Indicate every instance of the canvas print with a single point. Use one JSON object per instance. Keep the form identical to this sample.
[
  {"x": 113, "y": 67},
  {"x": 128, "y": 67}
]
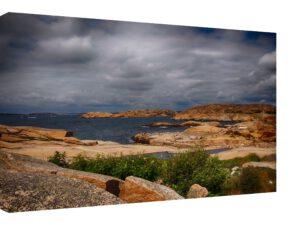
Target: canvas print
[{"x": 100, "y": 112}]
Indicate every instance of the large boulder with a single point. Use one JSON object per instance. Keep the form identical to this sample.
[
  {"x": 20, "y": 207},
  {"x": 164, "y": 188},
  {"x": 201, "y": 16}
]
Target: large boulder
[
  {"x": 137, "y": 189},
  {"x": 21, "y": 191},
  {"x": 29, "y": 184},
  {"x": 197, "y": 191},
  {"x": 28, "y": 164}
]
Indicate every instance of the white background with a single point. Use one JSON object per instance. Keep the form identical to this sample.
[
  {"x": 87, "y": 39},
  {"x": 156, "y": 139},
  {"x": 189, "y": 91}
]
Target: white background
[{"x": 280, "y": 207}]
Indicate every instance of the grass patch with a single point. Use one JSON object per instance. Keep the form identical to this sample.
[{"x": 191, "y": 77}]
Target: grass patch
[{"x": 239, "y": 161}]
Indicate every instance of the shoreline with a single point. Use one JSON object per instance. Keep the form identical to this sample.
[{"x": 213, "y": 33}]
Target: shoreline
[{"x": 42, "y": 148}]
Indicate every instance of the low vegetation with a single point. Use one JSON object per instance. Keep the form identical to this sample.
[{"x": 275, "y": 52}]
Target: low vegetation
[
  {"x": 251, "y": 180},
  {"x": 191, "y": 167},
  {"x": 181, "y": 171},
  {"x": 122, "y": 166},
  {"x": 239, "y": 161}
]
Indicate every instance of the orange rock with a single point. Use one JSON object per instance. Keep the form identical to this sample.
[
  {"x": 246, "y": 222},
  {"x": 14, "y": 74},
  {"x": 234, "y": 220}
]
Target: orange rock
[
  {"x": 203, "y": 130},
  {"x": 21, "y": 133},
  {"x": 197, "y": 191},
  {"x": 223, "y": 112},
  {"x": 131, "y": 113},
  {"x": 137, "y": 189},
  {"x": 97, "y": 115}
]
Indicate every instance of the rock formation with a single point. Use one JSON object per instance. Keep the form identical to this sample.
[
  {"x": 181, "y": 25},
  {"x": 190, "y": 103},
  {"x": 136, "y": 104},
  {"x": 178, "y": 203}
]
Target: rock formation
[
  {"x": 197, "y": 191},
  {"x": 160, "y": 124},
  {"x": 31, "y": 184},
  {"x": 258, "y": 132},
  {"x": 136, "y": 189},
  {"x": 131, "y": 113},
  {"x": 97, "y": 115},
  {"x": 184, "y": 124},
  {"x": 226, "y": 112},
  {"x": 175, "y": 139},
  {"x": 13, "y": 134}
]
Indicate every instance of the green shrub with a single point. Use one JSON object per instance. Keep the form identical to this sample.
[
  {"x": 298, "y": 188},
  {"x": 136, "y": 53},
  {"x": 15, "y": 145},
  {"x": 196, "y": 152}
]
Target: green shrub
[
  {"x": 59, "y": 158},
  {"x": 252, "y": 180},
  {"x": 252, "y": 157},
  {"x": 140, "y": 166},
  {"x": 196, "y": 166},
  {"x": 212, "y": 175},
  {"x": 79, "y": 163}
]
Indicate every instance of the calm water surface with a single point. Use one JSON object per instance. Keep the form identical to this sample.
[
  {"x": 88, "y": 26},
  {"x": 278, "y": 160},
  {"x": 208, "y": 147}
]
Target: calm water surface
[{"x": 107, "y": 129}]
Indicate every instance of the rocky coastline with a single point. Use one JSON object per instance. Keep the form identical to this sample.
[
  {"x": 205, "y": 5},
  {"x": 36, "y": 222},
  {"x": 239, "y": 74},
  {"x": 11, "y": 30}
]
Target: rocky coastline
[
  {"x": 211, "y": 112},
  {"x": 24, "y": 151}
]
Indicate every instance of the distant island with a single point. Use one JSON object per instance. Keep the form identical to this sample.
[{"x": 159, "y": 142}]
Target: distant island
[{"x": 217, "y": 112}]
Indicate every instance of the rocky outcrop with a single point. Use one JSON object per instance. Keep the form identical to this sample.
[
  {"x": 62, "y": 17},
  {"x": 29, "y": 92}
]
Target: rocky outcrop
[
  {"x": 176, "y": 139},
  {"x": 198, "y": 123},
  {"x": 97, "y": 115},
  {"x": 197, "y": 191},
  {"x": 203, "y": 130},
  {"x": 23, "y": 163},
  {"x": 21, "y": 191},
  {"x": 13, "y": 134},
  {"x": 160, "y": 124},
  {"x": 184, "y": 124},
  {"x": 187, "y": 140},
  {"x": 226, "y": 112},
  {"x": 136, "y": 189},
  {"x": 30, "y": 184},
  {"x": 131, "y": 113},
  {"x": 263, "y": 130},
  {"x": 259, "y": 132}
]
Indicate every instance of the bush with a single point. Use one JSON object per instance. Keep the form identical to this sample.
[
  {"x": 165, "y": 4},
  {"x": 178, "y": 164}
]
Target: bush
[
  {"x": 269, "y": 158},
  {"x": 148, "y": 168},
  {"x": 59, "y": 158},
  {"x": 196, "y": 166},
  {"x": 212, "y": 175},
  {"x": 252, "y": 180}
]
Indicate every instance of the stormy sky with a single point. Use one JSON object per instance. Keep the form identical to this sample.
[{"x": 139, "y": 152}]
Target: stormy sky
[{"x": 61, "y": 64}]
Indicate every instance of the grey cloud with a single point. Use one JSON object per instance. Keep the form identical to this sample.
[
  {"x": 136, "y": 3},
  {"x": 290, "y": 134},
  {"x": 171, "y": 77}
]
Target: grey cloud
[
  {"x": 73, "y": 49},
  {"x": 80, "y": 64},
  {"x": 268, "y": 60}
]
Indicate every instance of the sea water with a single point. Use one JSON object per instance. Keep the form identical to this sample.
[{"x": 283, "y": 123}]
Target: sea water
[{"x": 120, "y": 130}]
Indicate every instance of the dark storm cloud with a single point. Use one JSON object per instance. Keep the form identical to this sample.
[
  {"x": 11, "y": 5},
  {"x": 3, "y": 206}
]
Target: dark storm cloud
[{"x": 70, "y": 64}]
